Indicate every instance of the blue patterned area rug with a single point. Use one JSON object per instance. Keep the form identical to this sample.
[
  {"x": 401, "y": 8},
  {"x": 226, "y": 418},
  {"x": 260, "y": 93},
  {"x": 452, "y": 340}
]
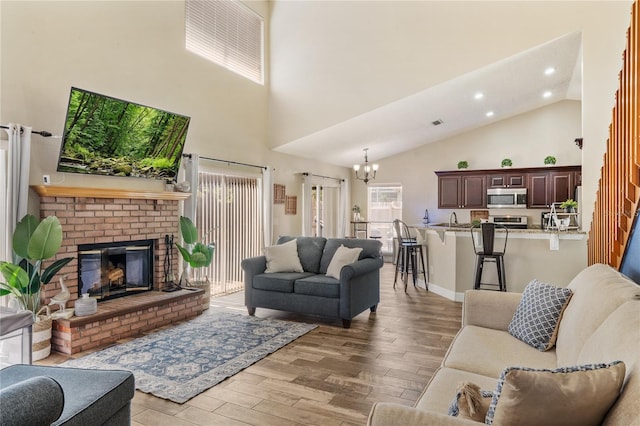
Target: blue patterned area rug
[{"x": 180, "y": 362}]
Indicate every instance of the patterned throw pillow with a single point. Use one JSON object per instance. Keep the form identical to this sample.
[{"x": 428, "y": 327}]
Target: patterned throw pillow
[
  {"x": 538, "y": 315},
  {"x": 567, "y": 396},
  {"x": 470, "y": 402}
]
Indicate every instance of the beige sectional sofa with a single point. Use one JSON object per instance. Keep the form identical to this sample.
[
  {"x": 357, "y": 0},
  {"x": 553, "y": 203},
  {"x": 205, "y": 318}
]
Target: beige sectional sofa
[{"x": 601, "y": 324}]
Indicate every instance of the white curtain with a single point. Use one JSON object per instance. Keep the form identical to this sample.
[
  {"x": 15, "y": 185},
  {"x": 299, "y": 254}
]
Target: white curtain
[
  {"x": 306, "y": 204},
  {"x": 190, "y": 165},
  {"x": 345, "y": 211},
  {"x": 267, "y": 204},
  {"x": 14, "y": 177}
]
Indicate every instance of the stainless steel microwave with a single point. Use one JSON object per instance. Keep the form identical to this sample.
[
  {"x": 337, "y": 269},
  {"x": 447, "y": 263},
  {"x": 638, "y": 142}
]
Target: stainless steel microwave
[{"x": 511, "y": 198}]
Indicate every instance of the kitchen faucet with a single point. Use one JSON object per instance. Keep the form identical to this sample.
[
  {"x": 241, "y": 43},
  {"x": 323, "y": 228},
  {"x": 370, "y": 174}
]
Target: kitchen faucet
[{"x": 453, "y": 216}]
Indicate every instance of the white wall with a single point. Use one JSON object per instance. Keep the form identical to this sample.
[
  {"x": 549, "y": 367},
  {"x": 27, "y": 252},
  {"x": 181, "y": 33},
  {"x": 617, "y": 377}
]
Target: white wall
[{"x": 135, "y": 51}]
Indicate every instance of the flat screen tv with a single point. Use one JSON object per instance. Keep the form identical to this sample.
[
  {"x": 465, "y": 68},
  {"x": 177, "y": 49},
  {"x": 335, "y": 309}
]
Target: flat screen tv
[{"x": 113, "y": 137}]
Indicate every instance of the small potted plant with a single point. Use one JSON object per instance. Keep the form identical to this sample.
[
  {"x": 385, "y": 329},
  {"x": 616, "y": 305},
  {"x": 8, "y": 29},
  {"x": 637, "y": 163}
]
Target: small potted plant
[
  {"x": 197, "y": 255},
  {"x": 569, "y": 206},
  {"x": 463, "y": 164},
  {"x": 506, "y": 163},
  {"x": 549, "y": 160},
  {"x": 33, "y": 242}
]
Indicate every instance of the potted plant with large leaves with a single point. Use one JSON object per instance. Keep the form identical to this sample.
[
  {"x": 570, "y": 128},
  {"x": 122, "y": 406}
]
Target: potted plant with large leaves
[
  {"x": 33, "y": 242},
  {"x": 197, "y": 255}
]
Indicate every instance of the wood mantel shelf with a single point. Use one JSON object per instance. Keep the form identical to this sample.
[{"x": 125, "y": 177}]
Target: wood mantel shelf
[{"x": 74, "y": 191}]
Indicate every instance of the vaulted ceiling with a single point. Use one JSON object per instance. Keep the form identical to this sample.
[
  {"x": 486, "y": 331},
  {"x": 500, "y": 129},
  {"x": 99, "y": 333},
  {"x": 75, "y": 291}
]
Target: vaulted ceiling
[{"x": 508, "y": 87}]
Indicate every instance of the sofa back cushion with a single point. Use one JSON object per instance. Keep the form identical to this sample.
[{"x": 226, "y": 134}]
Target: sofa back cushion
[
  {"x": 618, "y": 337},
  {"x": 309, "y": 251},
  {"x": 597, "y": 291},
  {"x": 370, "y": 249}
]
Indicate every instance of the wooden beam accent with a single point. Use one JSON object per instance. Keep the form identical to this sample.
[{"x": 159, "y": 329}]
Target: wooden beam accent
[{"x": 71, "y": 191}]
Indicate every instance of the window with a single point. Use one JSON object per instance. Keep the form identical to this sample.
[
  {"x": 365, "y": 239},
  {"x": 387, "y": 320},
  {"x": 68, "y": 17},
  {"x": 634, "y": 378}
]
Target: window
[
  {"x": 227, "y": 33},
  {"x": 383, "y": 206},
  {"x": 229, "y": 214}
]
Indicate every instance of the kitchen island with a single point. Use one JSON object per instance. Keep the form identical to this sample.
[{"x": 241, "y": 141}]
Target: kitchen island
[{"x": 550, "y": 256}]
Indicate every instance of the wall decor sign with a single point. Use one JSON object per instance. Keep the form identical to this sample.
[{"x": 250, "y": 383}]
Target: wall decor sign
[
  {"x": 278, "y": 193},
  {"x": 291, "y": 204}
]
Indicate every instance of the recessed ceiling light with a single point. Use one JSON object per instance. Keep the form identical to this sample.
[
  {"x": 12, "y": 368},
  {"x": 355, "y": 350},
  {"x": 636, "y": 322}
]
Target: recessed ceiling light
[
  {"x": 478, "y": 95},
  {"x": 547, "y": 94},
  {"x": 489, "y": 114},
  {"x": 549, "y": 71}
]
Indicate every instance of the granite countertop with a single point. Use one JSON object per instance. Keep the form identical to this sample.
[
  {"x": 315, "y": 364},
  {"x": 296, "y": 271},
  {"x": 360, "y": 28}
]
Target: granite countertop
[{"x": 464, "y": 227}]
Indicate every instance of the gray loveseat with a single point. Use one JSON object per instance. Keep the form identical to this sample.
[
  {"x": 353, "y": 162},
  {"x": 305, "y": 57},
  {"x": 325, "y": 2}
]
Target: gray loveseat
[
  {"x": 39, "y": 395},
  {"x": 312, "y": 292}
]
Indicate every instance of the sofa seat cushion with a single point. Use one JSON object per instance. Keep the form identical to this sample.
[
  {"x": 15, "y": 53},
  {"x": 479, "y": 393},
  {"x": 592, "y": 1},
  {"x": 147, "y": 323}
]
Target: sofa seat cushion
[
  {"x": 443, "y": 386},
  {"x": 318, "y": 285},
  {"x": 278, "y": 281},
  {"x": 91, "y": 397},
  {"x": 488, "y": 352}
]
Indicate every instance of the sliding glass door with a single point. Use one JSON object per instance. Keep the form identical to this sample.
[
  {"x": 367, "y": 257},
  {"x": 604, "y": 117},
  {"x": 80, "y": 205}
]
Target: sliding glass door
[{"x": 230, "y": 215}]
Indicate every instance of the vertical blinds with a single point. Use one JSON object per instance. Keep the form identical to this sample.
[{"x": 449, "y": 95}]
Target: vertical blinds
[
  {"x": 228, "y": 33},
  {"x": 229, "y": 214}
]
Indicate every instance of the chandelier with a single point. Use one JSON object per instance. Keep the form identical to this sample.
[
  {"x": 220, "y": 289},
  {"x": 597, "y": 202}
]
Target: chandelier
[{"x": 369, "y": 170}]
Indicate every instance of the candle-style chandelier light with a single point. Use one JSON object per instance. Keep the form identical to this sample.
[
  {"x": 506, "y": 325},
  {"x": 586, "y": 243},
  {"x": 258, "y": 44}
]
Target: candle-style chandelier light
[{"x": 368, "y": 169}]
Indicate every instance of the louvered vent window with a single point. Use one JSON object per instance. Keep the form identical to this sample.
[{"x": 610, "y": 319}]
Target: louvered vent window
[{"x": 227, "y": 33}]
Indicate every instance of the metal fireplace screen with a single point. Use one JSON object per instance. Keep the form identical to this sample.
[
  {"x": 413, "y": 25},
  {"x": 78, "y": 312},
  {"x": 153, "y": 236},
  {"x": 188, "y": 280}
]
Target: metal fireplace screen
[{"x": 110, "y": 270}]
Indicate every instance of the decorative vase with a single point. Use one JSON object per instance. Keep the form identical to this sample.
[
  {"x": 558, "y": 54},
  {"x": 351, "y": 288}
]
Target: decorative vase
[{"x": 86, "y": 305}]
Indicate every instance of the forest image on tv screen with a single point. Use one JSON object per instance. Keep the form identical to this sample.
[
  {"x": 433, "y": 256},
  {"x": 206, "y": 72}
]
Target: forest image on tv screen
[{"x": 109, "y": 136}]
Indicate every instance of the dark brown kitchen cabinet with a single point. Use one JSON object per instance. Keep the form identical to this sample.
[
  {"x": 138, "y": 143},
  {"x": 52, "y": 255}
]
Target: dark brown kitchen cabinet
[
  {"x": 550, "y": 187},
  {"x": 507, "y": 180},
  {"x": 462, "y": 192},
  {"x": 467, "y": 189}
]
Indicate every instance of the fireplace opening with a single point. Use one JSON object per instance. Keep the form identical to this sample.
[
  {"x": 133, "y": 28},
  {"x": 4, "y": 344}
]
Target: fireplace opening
[{"x": 110, "y": 270}]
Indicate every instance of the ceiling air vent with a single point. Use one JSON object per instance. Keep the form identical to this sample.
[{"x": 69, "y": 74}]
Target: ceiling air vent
[{"x": 437, "y": 122}]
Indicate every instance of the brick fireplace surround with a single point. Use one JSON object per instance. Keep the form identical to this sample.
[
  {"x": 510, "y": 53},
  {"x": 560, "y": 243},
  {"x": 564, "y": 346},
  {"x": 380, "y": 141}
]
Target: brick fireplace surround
[{"x": 97, "y": 215}]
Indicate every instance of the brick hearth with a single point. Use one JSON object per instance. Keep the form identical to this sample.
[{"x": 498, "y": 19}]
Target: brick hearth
[
  {"x": 125, "y": 317},
  {"x": 93, "y": 215}
]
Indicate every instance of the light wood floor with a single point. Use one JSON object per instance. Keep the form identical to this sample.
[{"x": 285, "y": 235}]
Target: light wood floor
[{"x": 331, "y": 375}]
